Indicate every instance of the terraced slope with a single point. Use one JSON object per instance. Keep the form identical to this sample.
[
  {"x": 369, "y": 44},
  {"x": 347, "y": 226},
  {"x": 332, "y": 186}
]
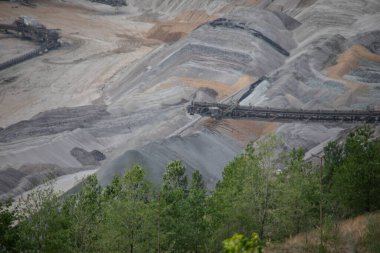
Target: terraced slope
[{"x": 127, "y": 78}]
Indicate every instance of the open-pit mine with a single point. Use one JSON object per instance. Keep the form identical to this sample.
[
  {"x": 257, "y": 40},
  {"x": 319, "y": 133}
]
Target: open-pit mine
[{"x": 97, "y": 86}]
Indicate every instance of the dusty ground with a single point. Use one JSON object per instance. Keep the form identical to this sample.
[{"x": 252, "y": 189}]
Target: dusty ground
[
  {"x": 96, "y": 45},
  {"x": 180, "y": 26}
]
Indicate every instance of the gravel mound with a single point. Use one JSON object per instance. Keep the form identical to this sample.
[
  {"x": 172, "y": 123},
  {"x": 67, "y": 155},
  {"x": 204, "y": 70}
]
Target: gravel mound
[{"x": 206, "y": 152}]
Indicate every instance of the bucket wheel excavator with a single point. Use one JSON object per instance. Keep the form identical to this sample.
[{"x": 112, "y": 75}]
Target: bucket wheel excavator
[{"x": 29, "y": 28}]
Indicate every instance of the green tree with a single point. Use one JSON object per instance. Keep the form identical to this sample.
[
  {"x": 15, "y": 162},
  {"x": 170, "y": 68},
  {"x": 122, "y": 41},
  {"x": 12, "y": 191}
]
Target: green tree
[
  {"x": 129, "y": 215},
  {"x": 174, "y": 178},
  {"x": 266, "y": 189},
  {"x": 243, "y": 200},
  {"x": 44, "y": 226},
  {"x": 239, "y": 243},
  {"x": 355, "y": 183},
  {"x": 86, "y": 212},
  {"x": 297, "y": 203},
  {"x": 225, "y": 211},
  {"x": 333, "y": 159},
  {"x": 173, "y": 204},
  {"x": 334, "y": 156},
  {"x": 8, "y": 231},
  {"x": 195, "y": 212}
]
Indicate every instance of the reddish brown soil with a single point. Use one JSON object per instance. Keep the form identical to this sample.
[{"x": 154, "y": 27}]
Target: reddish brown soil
[{"x": 173, "y": 30}]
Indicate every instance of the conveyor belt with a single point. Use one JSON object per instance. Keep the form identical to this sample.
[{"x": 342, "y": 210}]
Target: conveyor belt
[
  {"x": 48, "y": 39},
  {"x": 220, "y": 111}
]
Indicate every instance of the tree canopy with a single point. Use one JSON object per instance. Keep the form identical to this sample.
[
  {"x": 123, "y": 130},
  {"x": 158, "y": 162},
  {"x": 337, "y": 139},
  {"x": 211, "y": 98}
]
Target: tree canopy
[{"x": 264, "y": 195}]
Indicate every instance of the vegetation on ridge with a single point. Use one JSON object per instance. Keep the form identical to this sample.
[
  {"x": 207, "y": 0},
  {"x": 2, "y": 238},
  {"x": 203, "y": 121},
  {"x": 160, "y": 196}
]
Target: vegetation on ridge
[{"x": 274, "y": 195}]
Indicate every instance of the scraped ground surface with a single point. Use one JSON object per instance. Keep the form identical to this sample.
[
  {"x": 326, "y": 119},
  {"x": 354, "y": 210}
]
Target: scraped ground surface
[{"x": 120, "y": 83}]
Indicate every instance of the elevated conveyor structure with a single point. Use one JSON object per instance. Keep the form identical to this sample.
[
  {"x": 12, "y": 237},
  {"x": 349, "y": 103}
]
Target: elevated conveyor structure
[
  {"x": 220, "y": 111},
  {"x": 29, "y": 28}
]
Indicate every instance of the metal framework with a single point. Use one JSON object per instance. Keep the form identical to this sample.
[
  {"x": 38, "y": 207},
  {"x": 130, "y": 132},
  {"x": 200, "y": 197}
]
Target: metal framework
[
  {"x": 29, "y": 28},
  {"x": 219, "y": 111}
]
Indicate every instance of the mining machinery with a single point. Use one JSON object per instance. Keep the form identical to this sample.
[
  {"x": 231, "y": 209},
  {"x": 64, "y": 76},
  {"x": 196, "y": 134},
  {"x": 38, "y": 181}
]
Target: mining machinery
[
  {"x": 235, "y": 111},
  {"x": 29, "y": 28}
]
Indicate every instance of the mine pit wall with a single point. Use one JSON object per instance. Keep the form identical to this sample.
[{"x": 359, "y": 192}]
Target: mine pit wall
[
  {"x": 307, "y": 71},
  {"x": 209, "y": 43},
  {"x": 305, "y": 68},
  {"x": 211, "y": 53},
  {"x": 293, "y": 81}
]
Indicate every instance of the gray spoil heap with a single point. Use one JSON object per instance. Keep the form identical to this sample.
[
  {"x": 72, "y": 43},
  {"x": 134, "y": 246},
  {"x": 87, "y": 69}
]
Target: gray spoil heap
[
  {"x": 209, "y": 53},
  {"x": 197, "y": 151},
  {"x": 146, "y": 101}
]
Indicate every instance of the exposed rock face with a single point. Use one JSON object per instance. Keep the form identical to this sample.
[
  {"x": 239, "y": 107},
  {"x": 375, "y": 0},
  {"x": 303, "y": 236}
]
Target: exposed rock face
[{"x": 127, "y": 90}]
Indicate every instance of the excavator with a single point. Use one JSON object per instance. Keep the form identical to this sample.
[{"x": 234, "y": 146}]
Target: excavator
[{"x": 29, "y": 28}]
